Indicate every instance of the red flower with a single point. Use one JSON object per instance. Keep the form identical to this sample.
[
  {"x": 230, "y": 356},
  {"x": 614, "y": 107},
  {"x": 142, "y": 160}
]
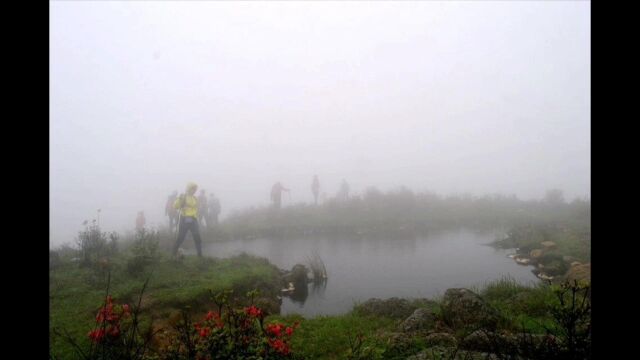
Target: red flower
[
  {"x": 279, "y": 346},
  {"x": 204, "y": 332},
  {"x": 253, "y": 311},
  {"x": 274, "y": 329},
  {"x": 114, "y": 331},
  {"x": 289, "y": 331},
  {"x": 96, "y": 335}
]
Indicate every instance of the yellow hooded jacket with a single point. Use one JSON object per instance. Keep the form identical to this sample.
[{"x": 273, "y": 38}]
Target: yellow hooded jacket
[{"x": 187, "y": 204}]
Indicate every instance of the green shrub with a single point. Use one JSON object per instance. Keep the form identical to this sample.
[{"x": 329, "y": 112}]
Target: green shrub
[{"x": 143, "y": 252}]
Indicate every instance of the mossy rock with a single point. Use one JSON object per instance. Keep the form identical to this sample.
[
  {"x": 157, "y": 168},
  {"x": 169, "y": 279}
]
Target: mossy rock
[
  {"x": 394, "y": 308},
  {"x": 580, "y": 272},
  {"x": 421, "y": 319},
  {"x": 462, "y": 308}
]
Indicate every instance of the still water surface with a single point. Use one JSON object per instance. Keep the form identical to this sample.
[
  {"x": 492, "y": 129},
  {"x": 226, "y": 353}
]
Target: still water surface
[{"x": 359, "y": 269}]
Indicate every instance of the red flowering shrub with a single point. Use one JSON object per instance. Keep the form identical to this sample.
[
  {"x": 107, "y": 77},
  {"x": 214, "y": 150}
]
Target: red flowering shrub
[
  {"x": 108, "y": 321},
  {"x": 228, "y": 333},
  {"x": 231, "y": 333}
]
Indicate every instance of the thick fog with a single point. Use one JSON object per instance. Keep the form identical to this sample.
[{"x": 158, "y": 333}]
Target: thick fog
[{"x": 450, "y": 97}]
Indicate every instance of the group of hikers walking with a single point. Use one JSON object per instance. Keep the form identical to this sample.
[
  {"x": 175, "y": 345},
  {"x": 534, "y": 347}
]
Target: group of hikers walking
[
  {"x": 208, "y": 209},
  {"x": 186, "y": 211}
]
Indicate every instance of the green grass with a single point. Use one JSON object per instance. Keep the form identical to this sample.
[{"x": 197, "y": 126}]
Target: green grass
[
  {"x": 520, "y": 305},
  {"x": 327, "y": 337},
  {"x": 75, "y": 298}
]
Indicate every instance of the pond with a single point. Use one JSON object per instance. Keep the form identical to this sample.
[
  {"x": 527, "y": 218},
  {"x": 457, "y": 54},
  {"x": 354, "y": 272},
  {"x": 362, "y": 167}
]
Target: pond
[{"x": 359, "y": 269}]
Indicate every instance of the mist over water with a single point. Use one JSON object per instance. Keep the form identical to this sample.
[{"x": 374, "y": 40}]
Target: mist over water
[{"x": 450, "y": 97}]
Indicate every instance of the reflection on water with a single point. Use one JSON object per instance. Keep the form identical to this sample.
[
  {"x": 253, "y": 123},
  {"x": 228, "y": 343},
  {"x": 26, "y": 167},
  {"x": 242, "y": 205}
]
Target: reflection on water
[{"x": 359, "y": 269}]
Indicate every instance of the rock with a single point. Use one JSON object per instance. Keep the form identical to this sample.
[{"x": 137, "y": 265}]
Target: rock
[
  {"x": 450, "y": 353},
  {"x": 441, "y": 338},
  {"x": 488, "y": 341},
  {"x": 297, "y": 276},
  {"x": 523, "y": 260},
  {"x": 548, "y": 245},
  {"x": 579, "y": 272},
  {"x": 462, "y": 308},
  {"x": 394, "y": 308},
  {"x": 399, "y": 343},
  {"x": 536, "y": 253},
  {"x": 421, "y": 319},
  {"x": 478, "y": 340},
  {"x": 537, "y": 340},
  {"x": 543, "y": 276},
  {"x": 576, "y": 263}
]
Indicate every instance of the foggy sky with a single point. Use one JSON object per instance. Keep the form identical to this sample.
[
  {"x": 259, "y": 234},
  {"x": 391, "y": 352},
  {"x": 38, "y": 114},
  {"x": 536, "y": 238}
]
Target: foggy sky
[{"x": 451, "y": 97}]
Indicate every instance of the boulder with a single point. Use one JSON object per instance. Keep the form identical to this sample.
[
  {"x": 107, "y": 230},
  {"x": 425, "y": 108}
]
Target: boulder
[
  {"x": 441, "y": 338},
  {"x": 536, "y": 253},
  {"x": 579, "y": 272},
  {"x": 481, "y": 340},
  {"x": 421, "y": 319},
  {"x": 441, "y": 352},
  {"x": 297, "y": 276},
  {"x": 394, "y": 308},
  {"x": 462, "y": 308}
]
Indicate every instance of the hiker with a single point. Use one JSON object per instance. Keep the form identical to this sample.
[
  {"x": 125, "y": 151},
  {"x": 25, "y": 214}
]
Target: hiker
[
  {"x": 214, "y": 210},
  {"x": 276, "y": 194},
  {"x": 343, "y": 194},
  {"x": 170, "y": 211},
  {"x": 187, "y": 206},
  {"x": 140, "y": 221},
  {"x": 202, "y": 208},
  {"x": 315, "y": 188}
]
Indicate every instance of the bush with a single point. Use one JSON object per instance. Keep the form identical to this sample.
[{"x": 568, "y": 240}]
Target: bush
[
  {"x": 144, "y": 252},
  {"x": 94, "y": 248}
]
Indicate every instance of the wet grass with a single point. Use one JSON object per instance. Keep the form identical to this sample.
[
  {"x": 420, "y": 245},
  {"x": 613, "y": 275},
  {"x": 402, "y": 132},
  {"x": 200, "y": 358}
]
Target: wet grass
[{"x": 75, "y": 295}]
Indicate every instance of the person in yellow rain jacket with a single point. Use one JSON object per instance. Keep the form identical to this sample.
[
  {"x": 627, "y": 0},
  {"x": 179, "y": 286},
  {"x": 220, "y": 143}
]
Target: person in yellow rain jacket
[{"x": 187, "y": 206}]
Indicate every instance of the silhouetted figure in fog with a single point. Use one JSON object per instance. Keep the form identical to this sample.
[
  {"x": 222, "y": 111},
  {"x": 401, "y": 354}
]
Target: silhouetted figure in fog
[
  {"x": 171, "y": 212},
  {"x": 315, "y": 189},
  {"x": 140, "y": 221},
  {"x": 187, "y": 206},
  {"x": 276, "y": 194},
  {"x": 203, "y": 210},
  {"x": 214, "y": 210},
  {"x": 343, "y": 194}
]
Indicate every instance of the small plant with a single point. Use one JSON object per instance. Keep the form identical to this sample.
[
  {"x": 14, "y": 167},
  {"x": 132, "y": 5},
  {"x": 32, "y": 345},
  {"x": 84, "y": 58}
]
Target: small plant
[
  {"x": 144, "y": 251},
  {"x": 573, "y": 319},
  {"x": 94, "y": 247},
  {"x": 116, "y": 334}
]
